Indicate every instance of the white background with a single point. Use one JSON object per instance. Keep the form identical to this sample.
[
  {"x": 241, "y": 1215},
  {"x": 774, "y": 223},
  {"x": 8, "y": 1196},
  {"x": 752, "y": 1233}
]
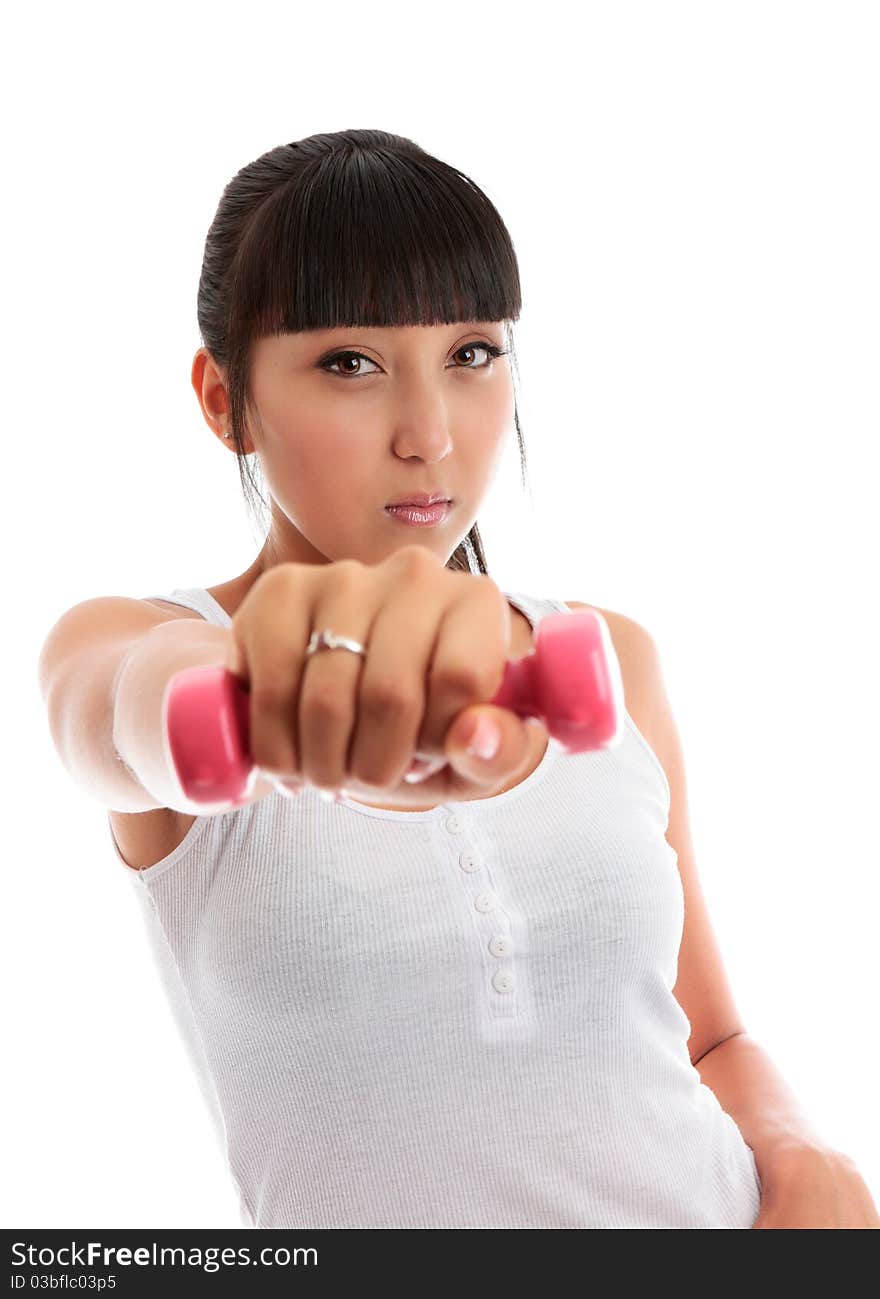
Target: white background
[{"x": 692, "y": 190}]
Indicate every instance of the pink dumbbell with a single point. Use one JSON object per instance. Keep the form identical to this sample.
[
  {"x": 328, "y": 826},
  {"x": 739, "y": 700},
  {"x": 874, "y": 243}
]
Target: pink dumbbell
[{"x": 570, "y": 680}]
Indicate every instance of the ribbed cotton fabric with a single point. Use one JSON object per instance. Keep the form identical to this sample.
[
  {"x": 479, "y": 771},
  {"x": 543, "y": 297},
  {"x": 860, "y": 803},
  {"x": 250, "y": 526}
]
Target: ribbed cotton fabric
[{"x": 461, "y": 1017}]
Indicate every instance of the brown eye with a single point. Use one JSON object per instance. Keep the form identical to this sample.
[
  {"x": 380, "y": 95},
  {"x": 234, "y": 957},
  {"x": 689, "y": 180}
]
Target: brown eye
[
  {"x": 475, "y": 347},
  {"x": 342, "y": 359},
  {"x": 491, "y": 350}
]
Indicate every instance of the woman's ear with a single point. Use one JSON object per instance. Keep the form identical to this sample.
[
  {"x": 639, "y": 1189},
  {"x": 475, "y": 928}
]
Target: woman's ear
[{"x": 210, "y": 386}]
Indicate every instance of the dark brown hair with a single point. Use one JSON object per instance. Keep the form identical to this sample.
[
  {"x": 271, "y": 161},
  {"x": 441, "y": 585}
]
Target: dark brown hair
[{"x": 351, "y": 228}]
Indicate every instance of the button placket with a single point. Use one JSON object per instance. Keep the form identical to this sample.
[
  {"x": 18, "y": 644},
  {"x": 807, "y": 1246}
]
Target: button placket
[{"x": 496, "y": 942}]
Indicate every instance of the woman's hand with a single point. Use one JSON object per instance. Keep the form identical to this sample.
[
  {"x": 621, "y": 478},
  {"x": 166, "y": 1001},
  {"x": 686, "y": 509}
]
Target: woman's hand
[
  {"x": 437, "y": 646},
  {"x": 814, "y": 1187}
]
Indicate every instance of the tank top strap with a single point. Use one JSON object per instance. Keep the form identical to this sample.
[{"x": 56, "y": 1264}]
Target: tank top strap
[
  {"x": 199, "y": 600},
  {"x": 536, "y": 607}
]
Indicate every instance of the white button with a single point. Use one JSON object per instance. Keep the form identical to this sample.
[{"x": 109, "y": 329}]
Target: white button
[
  {"x": 500, "y": 945},
  {"x": 502, "y": 980},
  {"x": 469, "y": 862},
  {"x": 485, "y": 901},
  {"x": 453, "y": 824}
]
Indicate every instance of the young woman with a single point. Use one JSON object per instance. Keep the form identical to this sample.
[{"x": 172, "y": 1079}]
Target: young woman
[{"x": 491, "y": 998}]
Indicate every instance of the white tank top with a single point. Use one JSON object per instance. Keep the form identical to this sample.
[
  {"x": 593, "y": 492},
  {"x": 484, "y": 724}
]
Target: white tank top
[{"x": 460, "y": 1017}]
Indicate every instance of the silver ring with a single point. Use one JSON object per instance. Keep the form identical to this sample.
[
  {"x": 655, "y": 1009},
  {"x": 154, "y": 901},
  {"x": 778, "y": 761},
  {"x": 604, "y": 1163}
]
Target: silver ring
[{"x": 328, "y": 640}]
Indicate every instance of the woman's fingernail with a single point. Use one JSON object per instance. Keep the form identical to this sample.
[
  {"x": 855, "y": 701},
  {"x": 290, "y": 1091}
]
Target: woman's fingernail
[
  {"x": 288, "y": 788},
  {"x": 486, "y": 739},
  {"x": 419, "y": 768}
]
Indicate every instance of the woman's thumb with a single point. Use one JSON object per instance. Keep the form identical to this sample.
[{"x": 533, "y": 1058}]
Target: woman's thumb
[{"x": 488, "y": 743}]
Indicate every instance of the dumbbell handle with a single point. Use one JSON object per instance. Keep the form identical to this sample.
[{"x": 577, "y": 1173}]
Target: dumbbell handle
[{"x": 571, "y": 681}]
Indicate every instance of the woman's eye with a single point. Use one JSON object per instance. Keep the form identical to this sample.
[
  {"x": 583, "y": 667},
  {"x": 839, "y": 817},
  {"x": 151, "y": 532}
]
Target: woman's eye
[
  {"x": 491, "y": 352},
  {"x": 343, "y": 358}
]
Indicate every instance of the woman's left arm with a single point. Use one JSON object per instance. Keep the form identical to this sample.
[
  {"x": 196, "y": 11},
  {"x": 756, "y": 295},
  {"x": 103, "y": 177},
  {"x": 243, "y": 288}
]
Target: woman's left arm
[{"x": 804, "y": 1182}]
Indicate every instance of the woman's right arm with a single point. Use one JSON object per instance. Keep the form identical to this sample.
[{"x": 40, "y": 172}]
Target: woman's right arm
[
  {"x": 138, "y": 689},
  {"x": 103, "y": 671}
]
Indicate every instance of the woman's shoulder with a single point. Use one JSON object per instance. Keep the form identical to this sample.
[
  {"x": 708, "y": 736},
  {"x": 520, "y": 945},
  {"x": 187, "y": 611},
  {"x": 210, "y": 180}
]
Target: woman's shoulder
[{"x": 617, "y": 622}]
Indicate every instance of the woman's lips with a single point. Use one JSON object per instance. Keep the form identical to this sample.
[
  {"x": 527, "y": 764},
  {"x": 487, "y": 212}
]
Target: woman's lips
[{"x": 420, "y": 516}]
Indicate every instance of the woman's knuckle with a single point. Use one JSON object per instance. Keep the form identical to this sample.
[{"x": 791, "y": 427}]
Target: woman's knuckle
[
  {"x": 325, "y": 704},
  {"x": 417, "y": 562},
  {"x": 281, "y": 580},
  {"x": 385, "y": 695},
  {"x": 347, "y": 576},
  {"x": 268, "y": 696},
  {"x": 462, "y": 679}
]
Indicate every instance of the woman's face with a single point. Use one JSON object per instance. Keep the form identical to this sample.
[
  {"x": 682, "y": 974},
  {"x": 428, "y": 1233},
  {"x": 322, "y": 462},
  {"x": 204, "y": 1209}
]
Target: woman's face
[{"x": 421, "y": 408}]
